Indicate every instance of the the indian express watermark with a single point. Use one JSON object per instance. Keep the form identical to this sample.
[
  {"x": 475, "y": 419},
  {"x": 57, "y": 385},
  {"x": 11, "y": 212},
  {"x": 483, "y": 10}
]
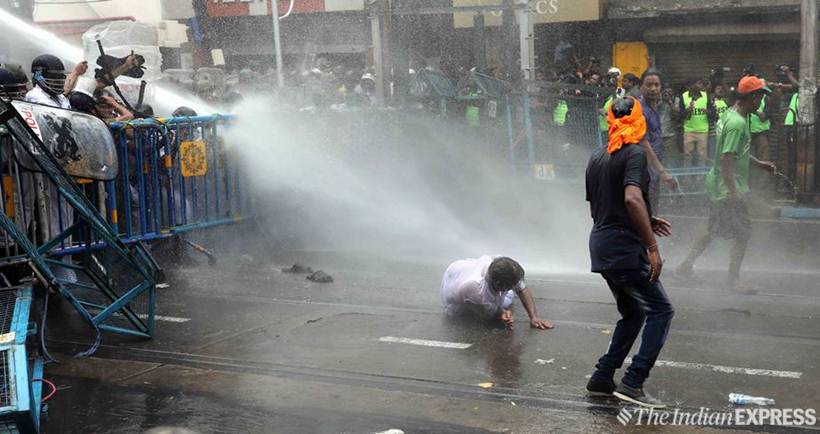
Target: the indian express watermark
[{"x": 709, "y": 417}]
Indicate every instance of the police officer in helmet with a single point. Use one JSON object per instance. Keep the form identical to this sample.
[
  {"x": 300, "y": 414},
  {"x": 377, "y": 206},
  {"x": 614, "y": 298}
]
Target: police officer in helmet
[
  {"x": 13, "y": 82},
  {"x": 48, "y": 77}
]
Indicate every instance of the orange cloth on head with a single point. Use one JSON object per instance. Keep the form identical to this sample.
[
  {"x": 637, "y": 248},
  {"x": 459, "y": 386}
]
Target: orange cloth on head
[{"x": 627, "y": 129}]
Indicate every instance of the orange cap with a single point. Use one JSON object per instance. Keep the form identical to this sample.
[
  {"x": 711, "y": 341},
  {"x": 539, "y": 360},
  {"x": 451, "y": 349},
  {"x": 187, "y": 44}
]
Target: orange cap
[{"x": 750, "y": 84}]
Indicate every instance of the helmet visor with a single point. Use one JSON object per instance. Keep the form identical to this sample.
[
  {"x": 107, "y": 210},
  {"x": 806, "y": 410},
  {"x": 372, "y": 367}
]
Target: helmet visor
[
  {"x": 13, "y": 91},
  {"x": 55, "y": 82}
]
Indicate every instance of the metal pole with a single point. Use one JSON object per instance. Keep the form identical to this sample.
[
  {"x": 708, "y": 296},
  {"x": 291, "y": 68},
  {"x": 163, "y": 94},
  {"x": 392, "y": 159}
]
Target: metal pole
[
  {"x": 527, "y": 56},
  {"x": 479, "y": 46},
  {"x": 510, "y": 134},
  {"x": 806, "y": 169},
  {"x": 508, "y": 44},
  {"x": 526, "y": 40},
  {"x": 277, "y": 46},
  {"x": 378, "y": 56}
]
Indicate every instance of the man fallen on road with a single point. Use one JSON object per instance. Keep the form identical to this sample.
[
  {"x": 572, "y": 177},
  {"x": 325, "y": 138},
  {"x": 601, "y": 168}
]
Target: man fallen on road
[{"x": 484, "y": 288}]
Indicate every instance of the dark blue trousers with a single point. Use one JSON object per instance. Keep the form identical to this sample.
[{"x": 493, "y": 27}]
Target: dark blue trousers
[{"x": 642, "y": 305}]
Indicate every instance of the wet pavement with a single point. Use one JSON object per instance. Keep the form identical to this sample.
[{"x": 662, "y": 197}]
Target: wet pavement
[{"x": 243, "y": 347}]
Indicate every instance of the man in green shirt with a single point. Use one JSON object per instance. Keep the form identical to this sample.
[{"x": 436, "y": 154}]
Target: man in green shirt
[
  {"x": 695, "y": 109},
  {"x": 727, "y": 183},
  {"x": 794, "y": 106},
  {"x": 760, "y": 122}
]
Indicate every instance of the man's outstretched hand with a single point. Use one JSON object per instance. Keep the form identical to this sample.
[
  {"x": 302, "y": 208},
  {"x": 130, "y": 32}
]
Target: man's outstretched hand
[
  {"x": 670, "y": 181},
  {"x": 507, "y": 318},
  {"x": 541, "y": 324},
  {"x": 661, "y": 227}
]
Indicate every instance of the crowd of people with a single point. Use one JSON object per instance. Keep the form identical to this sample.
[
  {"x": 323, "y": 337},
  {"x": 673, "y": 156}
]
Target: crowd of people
[{"x": 689, "y": 113}]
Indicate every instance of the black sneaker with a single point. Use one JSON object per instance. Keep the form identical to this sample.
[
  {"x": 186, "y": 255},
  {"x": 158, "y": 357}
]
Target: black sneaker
[
  {"x": 637, "y": 396},
  {"x": 600, "y": 388}
]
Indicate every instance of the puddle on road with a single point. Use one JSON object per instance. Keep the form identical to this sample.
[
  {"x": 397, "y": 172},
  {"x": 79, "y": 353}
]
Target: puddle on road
[{"x": 92, "y": 406}]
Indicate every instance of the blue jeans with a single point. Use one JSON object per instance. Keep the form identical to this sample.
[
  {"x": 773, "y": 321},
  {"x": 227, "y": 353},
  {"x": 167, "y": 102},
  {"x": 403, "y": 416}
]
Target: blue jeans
[{"x": 639, "y": 302}]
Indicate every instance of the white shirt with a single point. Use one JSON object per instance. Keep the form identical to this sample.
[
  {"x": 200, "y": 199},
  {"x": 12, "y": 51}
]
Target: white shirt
[
  {"x": 39, "y": 96},
  {"x": 465, "y": 289}
]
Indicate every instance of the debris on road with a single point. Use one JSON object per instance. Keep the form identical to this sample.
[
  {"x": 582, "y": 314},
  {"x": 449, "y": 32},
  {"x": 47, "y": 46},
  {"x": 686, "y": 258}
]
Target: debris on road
[
  {"x": 298, "y": 269},
  {"x": 311, "y": 321},
  {"x": 741, "y": 399},
  {"x": 544, "y": 362},
  {"x": 321, "y": 277},
  {"x": 485, "y": 385},
  {"x": 606, "y": 331},
  {"x": 163, "y": 285}
]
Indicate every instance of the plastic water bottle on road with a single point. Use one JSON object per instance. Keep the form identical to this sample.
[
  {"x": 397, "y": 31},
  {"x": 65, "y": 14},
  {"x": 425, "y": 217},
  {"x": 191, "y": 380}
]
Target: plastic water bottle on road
[{"x": 741, "y": 399}]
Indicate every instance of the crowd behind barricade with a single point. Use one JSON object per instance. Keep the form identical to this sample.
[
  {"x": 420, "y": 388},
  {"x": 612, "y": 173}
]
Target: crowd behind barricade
[{"x": 689, "y": 112}]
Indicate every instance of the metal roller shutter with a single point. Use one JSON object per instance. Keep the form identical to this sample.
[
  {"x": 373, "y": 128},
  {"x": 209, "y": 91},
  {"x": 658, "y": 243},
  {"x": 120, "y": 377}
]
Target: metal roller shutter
[{"x": 681, "y": 61}]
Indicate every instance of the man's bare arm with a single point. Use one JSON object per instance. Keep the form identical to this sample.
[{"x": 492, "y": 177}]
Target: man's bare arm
[
  {"x": 529, "y": 305},
  {"x": 638, "y": 214},
  {"x": 75, "y": 74},
  {"x": 768, "y": 165},
  {"x": 655, "y": 163}
]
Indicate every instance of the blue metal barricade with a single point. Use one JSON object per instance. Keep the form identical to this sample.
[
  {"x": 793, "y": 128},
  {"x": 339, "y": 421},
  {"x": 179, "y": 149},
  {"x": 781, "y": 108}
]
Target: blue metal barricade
[
  {"x": 177, "y": 176},
  {"x": 21, "y": 376},
  {"x": 552, "y": 128},
  {"x": 70, "y": 246}
]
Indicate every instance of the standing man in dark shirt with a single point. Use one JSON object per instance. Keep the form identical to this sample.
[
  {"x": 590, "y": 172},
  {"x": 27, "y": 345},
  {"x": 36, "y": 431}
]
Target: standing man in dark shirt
[
  {"x": 653, "y": 140},
  {"x": 623, "y": 249}
]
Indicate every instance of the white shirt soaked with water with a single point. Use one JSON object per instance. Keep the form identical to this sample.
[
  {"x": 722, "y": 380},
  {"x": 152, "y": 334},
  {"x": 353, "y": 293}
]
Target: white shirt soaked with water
[
  {"x": 39, "y": 96},
  {"x": 465, "y": 289}
]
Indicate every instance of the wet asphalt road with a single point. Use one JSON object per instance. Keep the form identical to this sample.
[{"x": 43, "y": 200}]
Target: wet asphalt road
[{"x": 243, "y": 347}]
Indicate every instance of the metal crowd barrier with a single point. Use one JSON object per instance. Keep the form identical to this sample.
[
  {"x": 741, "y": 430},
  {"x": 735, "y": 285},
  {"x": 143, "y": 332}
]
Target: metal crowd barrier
[
  {"x": 21, "y": 376},
  {"x": 47, "y": 216},
  {"x": 553, "y": 147},
  {"x": 176, "y": 175}
]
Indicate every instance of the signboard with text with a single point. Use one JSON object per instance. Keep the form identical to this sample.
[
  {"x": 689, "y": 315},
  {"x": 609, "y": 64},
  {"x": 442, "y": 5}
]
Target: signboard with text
[
  {"x": 546, "y": 11},
  {"x": 239, "y": 8}
]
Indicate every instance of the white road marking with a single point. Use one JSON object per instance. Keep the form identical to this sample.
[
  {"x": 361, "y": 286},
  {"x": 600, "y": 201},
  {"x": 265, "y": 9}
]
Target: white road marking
[
  {"x": 171, "y": 318},
  {"x": 726, "y": 369},
  {"x": 166, "y": 318},
  {"x": 425, "y": 343}
]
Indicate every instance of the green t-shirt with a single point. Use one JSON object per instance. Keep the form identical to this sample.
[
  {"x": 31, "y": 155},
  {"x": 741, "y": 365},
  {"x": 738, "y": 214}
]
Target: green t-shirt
[
  {"x": 793, "y": 107},
  {"x": 473, "y": 116},
  {"x": 603, "y": 125},
  {"x": 699, "y": 121},
  {"x": 756, "y": 125},
  {"x": 559, "y": 114},
  {"x": 733, "y": 136}
]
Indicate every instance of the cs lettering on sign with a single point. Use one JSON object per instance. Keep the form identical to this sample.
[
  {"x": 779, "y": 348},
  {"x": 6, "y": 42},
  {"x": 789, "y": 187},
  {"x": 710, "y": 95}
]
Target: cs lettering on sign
[{"x": 542, "y": 7}]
